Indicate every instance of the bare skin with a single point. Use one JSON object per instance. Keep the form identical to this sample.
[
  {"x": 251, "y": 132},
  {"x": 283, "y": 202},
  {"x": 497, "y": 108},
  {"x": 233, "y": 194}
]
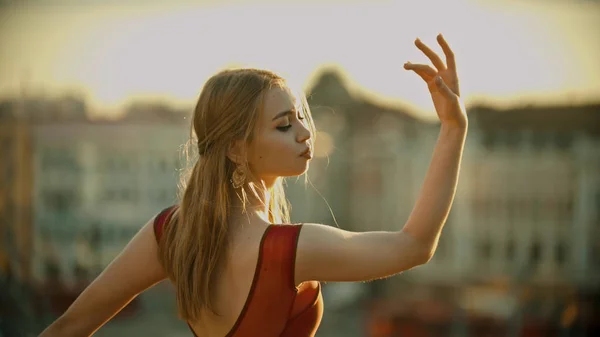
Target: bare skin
[{"x": 324, "y": 253}]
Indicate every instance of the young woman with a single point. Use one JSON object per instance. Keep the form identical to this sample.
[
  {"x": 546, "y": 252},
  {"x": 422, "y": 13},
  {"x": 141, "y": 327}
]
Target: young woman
[{"x": 238, "y": 266}]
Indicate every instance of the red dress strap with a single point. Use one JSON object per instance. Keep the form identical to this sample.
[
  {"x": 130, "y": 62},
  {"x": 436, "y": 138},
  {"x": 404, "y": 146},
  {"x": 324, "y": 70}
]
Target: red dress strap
[
  {"x": 273, "y": 279},
  {"x": 161, "y": 219},
  {"x": 279, "y": 254}
]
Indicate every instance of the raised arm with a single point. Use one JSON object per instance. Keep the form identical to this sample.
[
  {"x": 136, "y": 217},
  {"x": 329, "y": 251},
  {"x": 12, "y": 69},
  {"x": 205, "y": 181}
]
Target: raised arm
[
  {"x": 329, "y": 254},
  {"x": 435, "y": 199},
  {"x": 134, "y": 270}
]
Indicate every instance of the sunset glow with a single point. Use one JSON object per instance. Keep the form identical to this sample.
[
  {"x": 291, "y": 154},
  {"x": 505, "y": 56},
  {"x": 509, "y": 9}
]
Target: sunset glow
[{"x": 507, "y": 51}]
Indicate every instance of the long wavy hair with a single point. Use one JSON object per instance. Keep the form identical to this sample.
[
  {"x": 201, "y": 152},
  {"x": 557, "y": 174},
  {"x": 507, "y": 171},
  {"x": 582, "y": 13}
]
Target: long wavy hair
[{"x": 197, "y": 237}]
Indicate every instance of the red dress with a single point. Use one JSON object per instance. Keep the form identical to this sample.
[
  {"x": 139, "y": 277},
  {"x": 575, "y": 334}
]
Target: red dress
[{"x": 274, "y": 307}]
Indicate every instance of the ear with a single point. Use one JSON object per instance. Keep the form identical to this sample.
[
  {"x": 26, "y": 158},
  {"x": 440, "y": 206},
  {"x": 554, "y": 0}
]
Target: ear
[{"x": 236, "y": 152}]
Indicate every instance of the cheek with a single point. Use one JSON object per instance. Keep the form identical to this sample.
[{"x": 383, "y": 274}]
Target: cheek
[
  {"x": 281, "y": 145},
  {"x": 270, "y": 151},
  {"x": 259, "y": 155}
]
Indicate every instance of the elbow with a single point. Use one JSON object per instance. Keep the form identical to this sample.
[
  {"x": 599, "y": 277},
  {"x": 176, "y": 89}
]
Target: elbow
[
  {"x": 422, "y": 251},
  {"x": 425, "y": 255},
  {"x": 428, "y": 256}
]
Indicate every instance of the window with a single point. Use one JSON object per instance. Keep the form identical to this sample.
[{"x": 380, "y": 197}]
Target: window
[
  {"x": 59, "y": 201},
  {"x": 124, "y": 194},
  {"x": 540, "y": 139},
  {"x": 597, "y": 208},
  {"x": 595, "y": 254},
  {"x": 566, "y": 209},
  {"x": 489, "y": 140},
  {"x": 560, "y": 253},
  {"x": 564, "y": 140},
  {"x": 485, "y": 249},
  {"x": 118, "y": 162},
  {"x": 513, "y": 139},
  {"x": 108, "y": 195},
  {"x": 58, "y": 158},
  {"x": 483, "y": 209},
  {"x": 125, "y": 164},
  {"x": 536, "y": 210},
  {"x": 512, "y": 211},
  {"x": 8, "y": 173},
  {"x": 535, "y": 252},
  {"x": 510, "y": 250}
]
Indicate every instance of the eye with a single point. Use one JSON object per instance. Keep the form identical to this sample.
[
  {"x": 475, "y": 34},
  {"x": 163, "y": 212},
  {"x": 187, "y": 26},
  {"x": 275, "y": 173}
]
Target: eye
[
  {"x": 300, "y": 117},
  {"x": 284, "y": 128}
]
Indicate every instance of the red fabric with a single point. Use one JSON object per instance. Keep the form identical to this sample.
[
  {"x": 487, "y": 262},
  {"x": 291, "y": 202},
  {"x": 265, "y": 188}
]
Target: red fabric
[{"x": 274, "y": 307}]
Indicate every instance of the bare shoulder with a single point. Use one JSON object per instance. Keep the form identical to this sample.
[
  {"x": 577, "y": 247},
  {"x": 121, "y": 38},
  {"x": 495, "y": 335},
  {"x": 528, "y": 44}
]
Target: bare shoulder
[{"x": 326, "y": 253}]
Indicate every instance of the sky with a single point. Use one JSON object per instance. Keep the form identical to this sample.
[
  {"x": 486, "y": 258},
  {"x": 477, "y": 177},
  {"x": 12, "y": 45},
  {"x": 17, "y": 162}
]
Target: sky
[{"x": 508, "y": 52}]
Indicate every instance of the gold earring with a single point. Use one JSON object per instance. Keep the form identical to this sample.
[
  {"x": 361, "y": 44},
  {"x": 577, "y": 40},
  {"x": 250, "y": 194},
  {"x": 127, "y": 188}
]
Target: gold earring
[{"x": 238, "y": 177}]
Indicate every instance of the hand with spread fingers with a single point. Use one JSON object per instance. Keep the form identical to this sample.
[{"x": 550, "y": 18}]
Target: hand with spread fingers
[{"x": 442, "y": 83}]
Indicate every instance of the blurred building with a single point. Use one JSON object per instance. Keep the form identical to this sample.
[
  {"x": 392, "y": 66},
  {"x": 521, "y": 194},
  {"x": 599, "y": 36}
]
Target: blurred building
[
  {"x": 16, "y": 236},
  {"x": 15, "y": 192},
  {"x": 530, "y": 199},
  {"x": 523, "y": 228},
  {"x": 97, "y": 183},
  {"x": 525, "y": 221},
  {"x": 73, "y": 192},
  {"x": 92, "y": 183}
]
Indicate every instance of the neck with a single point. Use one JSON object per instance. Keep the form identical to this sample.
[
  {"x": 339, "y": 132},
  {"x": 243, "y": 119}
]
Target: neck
[{"x": 256, "y": 203}]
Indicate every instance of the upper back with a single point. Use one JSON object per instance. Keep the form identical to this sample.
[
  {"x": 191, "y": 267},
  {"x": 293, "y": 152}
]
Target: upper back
[{"x": 256, "y": 292}]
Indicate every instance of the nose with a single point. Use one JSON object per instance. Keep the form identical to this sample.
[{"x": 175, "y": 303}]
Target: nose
[{"x": 303, "y": 134}]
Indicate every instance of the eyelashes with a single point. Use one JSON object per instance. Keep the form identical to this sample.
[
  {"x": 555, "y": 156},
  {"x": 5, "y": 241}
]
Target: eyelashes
[
  {"x": 284, "y": 128},
  {"x": 287, "y": 127}
]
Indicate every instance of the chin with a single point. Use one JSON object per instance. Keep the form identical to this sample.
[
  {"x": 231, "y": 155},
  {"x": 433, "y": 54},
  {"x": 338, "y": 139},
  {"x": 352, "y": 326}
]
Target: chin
[
  {"x": 294, "y": 173},
  {"x": 304, "y": 168}
]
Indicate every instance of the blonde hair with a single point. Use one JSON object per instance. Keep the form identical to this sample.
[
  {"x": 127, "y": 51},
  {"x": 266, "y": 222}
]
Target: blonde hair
[{"x": 197, "y": 237}]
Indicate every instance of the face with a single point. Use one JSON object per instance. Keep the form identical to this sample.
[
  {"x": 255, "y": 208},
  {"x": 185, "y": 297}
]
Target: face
[{"x": 281, "y": 138}]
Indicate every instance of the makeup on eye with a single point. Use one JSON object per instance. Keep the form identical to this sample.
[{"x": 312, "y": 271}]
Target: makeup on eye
[
  {"x": 283, "y": 114},
  {"x": 288, "y": 123},
  {"x": 290, "y": 112},
  {"x": 284, "y": 128},
  {"x": 284, "y": 124}
]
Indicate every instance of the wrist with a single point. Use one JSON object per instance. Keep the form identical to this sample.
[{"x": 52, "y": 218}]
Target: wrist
[{"x": 455, "y": 128}]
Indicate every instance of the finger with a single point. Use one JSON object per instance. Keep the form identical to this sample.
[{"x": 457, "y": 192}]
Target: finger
[
  {"x": 426, "y": 77},
  {"x": 435, "y": 59},
  {"x": 443, "y": 88},
  {"x": 450, "y": 61},
  {"x": 421, "y": 69}
]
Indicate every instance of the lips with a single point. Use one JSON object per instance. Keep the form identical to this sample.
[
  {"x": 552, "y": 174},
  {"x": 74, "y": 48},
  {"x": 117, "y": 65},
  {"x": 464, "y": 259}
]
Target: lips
[{"x": 306, "y": 154}]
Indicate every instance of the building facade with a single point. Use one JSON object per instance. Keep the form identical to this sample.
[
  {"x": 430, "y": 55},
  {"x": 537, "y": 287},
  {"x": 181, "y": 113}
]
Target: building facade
[
  {"x": 15, "y": 193},
  {"x": 526, "y": 213},
  {"x": 97, "y": 184}
]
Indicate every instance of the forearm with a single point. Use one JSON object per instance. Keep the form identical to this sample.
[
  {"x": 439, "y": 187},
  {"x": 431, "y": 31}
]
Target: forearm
[
  {"x": 431, "y": 209},
  {"x": 57, "y": 328},
  {"x": 63, "y": 327}
]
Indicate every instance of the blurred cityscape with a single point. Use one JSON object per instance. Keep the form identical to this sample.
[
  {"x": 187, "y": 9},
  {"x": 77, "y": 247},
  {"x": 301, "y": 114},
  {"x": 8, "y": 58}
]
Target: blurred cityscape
[{"x": 519, "y": 256}]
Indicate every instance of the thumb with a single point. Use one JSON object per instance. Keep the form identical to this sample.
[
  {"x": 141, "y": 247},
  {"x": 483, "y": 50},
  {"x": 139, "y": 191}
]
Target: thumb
[{"x": 439, "y": 82}]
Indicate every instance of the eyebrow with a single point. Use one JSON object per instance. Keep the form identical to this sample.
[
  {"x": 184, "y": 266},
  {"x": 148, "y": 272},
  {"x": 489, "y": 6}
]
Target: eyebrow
[{"x": 283, "y": 113}]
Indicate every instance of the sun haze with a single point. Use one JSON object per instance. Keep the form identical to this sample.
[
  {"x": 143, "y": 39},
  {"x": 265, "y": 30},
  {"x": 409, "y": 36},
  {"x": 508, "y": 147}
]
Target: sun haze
[{"x": 507, "y": 51}]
